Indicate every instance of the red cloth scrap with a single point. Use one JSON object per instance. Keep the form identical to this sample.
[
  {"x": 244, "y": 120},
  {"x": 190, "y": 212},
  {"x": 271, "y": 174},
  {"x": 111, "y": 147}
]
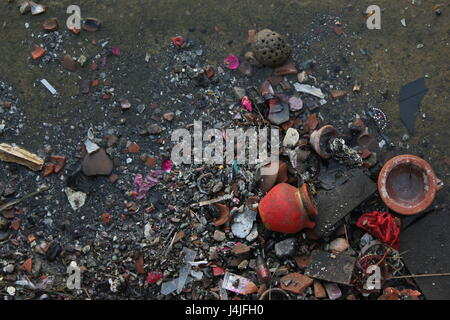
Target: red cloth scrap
[{"x": 383, "y": 226}]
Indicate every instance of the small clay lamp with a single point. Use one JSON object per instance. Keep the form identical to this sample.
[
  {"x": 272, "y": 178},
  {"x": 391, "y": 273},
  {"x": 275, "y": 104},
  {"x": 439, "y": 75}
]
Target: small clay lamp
[
  {"x": 408, "y": 184},
  {"x": 287, "y": 209},
  {"x": 320, "y": 140}
]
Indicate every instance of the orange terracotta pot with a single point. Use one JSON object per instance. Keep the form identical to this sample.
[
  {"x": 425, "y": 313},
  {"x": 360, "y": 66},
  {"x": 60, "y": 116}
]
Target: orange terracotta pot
[
  {"x": 287, "y": 209},
  {"x": 408, "y": 184}
]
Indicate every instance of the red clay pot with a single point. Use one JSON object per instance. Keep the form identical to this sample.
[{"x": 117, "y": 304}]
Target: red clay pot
[
  {"x": 287, "y": 209},
  {"x": 407, "y": 184}
]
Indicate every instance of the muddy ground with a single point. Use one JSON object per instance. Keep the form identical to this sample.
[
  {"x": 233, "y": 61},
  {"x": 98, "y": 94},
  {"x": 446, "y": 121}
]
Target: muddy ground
[{"x": 382, "y": 60}]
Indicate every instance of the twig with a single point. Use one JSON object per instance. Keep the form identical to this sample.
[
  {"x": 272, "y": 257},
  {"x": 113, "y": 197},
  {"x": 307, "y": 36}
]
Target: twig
[
  {"x": 211, "y": 201},
  {"x": 422, "y": 275},
  {"x": 345, "y": 230},
  {"x": 169, "y": 247},
  {"x": 14, "y": 202}
]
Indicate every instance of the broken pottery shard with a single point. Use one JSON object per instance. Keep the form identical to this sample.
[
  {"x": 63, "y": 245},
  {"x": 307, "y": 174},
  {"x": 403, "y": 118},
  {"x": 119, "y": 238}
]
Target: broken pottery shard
[
  {"x": 334, "y": 205},
  {"x": 425, "y": 245},
  {"x": 410, "y": 96},
  {"x": 91, "y": 147},
  {"x": 21, "y": 156},
  {"x": 295, "y": 103},
  {"x": 306, "y": 88},
  {"x": 50, "y": 24},
  {"x": 279, "y": 112},
  {"x": 91, "y": 24},
  {"x": 24, "y": 7},
  {"x": 333, "y": 291},
  {"x": 84, "y": 86},
  {"x": 243, "y": 223},
  {"x": 238, "y": 284},
  {"x": 332, "y": 268},
  {"x": 68, "y": 63},
  {"x": 36, "y": 8},
  {"x": 98, "y": 163},
  {"x": 295, "y": 282},
  {"x": 76, "y": 198}
]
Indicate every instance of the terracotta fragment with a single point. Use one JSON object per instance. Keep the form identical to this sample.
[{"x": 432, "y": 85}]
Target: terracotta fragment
[
  {"x": 319, "y": 290},
  {"x": 38, "y": 53},
  {"x": 59, "y": 162},
  {"x": 50, "y": 24},
  {"x": 224, "y": 215},
  {"x": 338, "y": 94},
  {"x": 295, "y": 282},
  {"x": 27, "y": 265},
  {"x": 69, "y": 64}
]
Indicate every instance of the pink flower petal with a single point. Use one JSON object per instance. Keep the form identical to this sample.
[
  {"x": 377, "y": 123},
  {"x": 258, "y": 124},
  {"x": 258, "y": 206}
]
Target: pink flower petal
[
  {"x": 115, "y": 51},
  {"x": 246, "y": 103},
  {"x": 144, "y": 185},
  {"x": 166, "y": 165},
  {"x": 153, "y": 277},
  {"x": 178, "y": 41},
  {"x": 231, "y": 62}
]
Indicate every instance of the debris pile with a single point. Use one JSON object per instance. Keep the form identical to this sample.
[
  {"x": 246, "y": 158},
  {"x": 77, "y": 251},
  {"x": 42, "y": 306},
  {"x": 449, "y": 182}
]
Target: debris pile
[{"x": 112, "y": 202}]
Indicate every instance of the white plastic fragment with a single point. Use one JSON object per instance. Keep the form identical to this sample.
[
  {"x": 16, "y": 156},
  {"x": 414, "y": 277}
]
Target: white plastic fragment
[
  {"x": 184, "y": 273},
  {"x": 170, "y": 286},
  {"x": 147, "y": 230},
  {"x": 189, "y": 255},
  {"x": 48, "y": 86},
  {"x": 197, "y": 275},
  {"x": 306, "y": 88}
]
